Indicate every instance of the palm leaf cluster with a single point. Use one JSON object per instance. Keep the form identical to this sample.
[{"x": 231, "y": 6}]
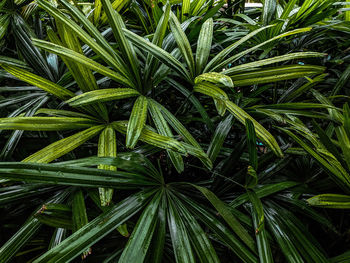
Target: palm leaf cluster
[{"x": 174, "y": 131}]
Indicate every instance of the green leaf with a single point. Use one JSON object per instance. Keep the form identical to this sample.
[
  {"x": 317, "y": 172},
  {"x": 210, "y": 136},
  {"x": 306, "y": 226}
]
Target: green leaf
[
  {"x": 216, "y": 61},
  {"x": 81, "y": 59},
  {"x": 308, "y": 211},
  {"x": 251, "y": 142},
  {"x": 305, "y": 243},
  {"x": 346, "y": 114},
  {"x": 152, "y": 63},
  {"x": 260, "y": 131},
  {"x": 262, "y": 241},
  {"x": 295, "y": 106},
  {"x": 270, "y": 75},
  {"x": 216, "y": 78},
  {"x": 283, "y": 240},
  {"x": 58, "y": 236},
  {"x": 82, "y": 74},
  {"x": 14, "y": 62},
  {"x": 94, "y": 195},
  {"x": 163, "y": 129},
  {"x": 211, "y": 90},
  {"x": 226, "y": 214},
  {"x": 199, "y": 107},
  {"x": 22, "y": 33},
  {"x": 204, "y": 45},
  {"x": 102, "y": 95},
  {"x": 140, "y": 239},
  {"x": 177, "y": 125},
  {"x": 185, "y": 10},
  {"x": 219, "y": 136},
  {"x": 61, "y": 147},
  {"x": 341, "y": 81},
  {"x": 97, "y": 11},
  {"x": 159, "y": 53},
  {"x": 19, "y": 239},
  {"x": 330, "y": 201},
  {"x": 342, "y": 258},
  {"x": 179, "y": 235},
  {"x": 137, "y": 121},
  {"x": 263, "y": 191},
  {"x": 39, "y": 82},
  {"x": 126, "y": 48},
  {"x": 267, "y": 14},
  {"x": 237, "y": 56},
  {"x": 252, "y": 178},
  {"x": 95, "y": 230},
  {"x": 196, "y": 6},
  {"x": 155, "y": 139},
  {"x": 183, "y": 43},
  {"x": 328, "y": 162},
  {"x": 224, "y": 233},
  {"x": 4, "y": 22},
  {"x": 55, "y": 215},
  {"x": 268, "y": 61},
  {"x": 279, "y": 70},
  {"x": 26, "y": 232},
  {"x": 95, "y": 39},
  {"x": 199, "y": 239},
  {"x": 107, "y": 147},
  {"x": 64, "y": 113},
  {"x": 128, "y": 161},
  {"x": 158, "y": 240},
  {"x": 117, "y": 5},
  {"x": 73, "y": 176},
  {"x": 17, "y": 193},
  {"x": 45, "y": 123},
  {"x": 79, "y": 215},
  {"x": 327, "y": 142}
]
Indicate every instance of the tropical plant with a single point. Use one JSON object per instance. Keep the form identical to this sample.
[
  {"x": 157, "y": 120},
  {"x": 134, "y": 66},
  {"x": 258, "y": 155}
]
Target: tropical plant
[{"x": 173, "y": 123}]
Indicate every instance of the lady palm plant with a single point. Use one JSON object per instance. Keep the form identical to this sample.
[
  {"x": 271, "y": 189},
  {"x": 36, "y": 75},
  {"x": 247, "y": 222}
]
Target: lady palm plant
[
  {"x": 104, "y": 80},
  {"x": 139, "y": 85}
]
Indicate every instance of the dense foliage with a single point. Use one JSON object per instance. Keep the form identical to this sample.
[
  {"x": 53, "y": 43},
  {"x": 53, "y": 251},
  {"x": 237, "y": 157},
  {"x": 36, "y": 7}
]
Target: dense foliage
[{"x": 174, "y": 131}]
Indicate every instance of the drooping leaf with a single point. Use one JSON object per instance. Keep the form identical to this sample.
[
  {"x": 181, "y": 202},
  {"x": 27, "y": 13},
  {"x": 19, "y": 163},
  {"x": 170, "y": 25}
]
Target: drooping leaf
[
  {"x": 40, "y": 82},
  {"x": 79, "y": 58},
  {"x": 222, "y": 130},
  {"x": 102, "y": 95},
  {"x": 45, "y": 123},
  {"x": 63, "y": 146},
  {"x": 261, "y": 132},
  {"x": 164, "y": 129},
  {"x": 216, "y": 78},
  {"x": 107, "y": 147},
  {"x": 137, "y": 121},
  {"x": 330, "y": 201},
  {"x": 251, "y": 142}
]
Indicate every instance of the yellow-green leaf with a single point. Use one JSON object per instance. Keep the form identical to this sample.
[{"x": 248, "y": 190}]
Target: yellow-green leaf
[
  {"x": 137, "y": 121},
  {"x": 61, "y": 147}
]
